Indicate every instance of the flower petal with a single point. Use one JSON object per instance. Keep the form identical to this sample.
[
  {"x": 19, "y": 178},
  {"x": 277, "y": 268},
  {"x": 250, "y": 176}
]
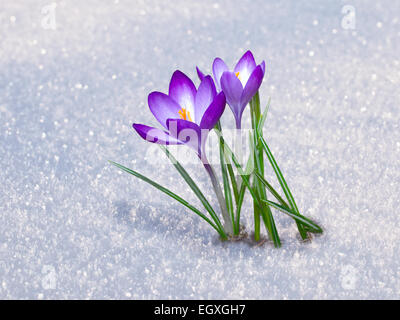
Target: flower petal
[
  {"x": 205, "y": 95},
  {"x": 252, "y": 85},
  {"x": 200, "y": 74},
  {"x": 233, "y": 89},
  {"x": 262, "y": 65},
  {"x": 186, "y": 131},
  {"x": 245, "y": 67},
  {"x": 154, "y": 135},
  {"x": 213, "y": 112},
  {"x": 183, "y": 91},
  {"x": 163, "y": 107},
  {"x": 219, "y": 67}
]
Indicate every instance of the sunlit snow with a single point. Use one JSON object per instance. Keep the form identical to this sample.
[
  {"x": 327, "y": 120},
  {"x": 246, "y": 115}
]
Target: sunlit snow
[{"x": 74, "y": 77}]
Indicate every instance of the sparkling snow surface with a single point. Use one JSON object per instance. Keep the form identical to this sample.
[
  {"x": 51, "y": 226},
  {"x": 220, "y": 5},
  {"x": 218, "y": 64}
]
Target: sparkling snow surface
[{"x": 72, "y": 226}]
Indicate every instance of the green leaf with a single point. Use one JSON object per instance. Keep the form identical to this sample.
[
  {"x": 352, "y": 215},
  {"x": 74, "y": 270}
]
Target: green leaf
[
  {"x": 225, "y": 179},
  {"x": 233, "y": 182},
  {"x": 240, "y": 193},
  {"x": 228, "y": 153},
  {"x": 272, "y": 190},
  {"x": 285, "y": 205},
  {"x": 227, "y": 192},
  {"x": 194, "y": 187},
  {"x": 259, "y": 168},
  {"x": 166, "y": 191},
  {"x": 283, "y": 184},
  {"x": 249, "y": 168},
  {"x": 263, "y": 118},
  {"x": 239, "y": 205},
  {"x": 298, "y": 217},
  {"x": 238, "y": 184}
]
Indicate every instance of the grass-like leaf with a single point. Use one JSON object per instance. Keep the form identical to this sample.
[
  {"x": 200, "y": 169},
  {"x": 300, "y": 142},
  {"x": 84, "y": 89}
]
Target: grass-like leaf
[
  {"x": 272, "y": 190},
  {"x": 225, "y": 179},
  {"x": 286, "y": 206},
  {"x": 313, "y": 227},
  {"x": 285, "y": 188},
  {"x": 230, "y": 155},
  {"x": 194, "y": 188},
  {"x": 168, "y": 192},
  {"x": 263, "y": 118},
  {"x": 256, "y": 119},
  {"x": 233, "y": 182},
  {"x": 239, "y": 204},
  {"x": 249, "y": 168}
]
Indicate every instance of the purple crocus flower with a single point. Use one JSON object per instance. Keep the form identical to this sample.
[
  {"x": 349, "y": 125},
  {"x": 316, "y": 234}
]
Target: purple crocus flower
[
  {"x": 239, "y": 85},
  {"x": 187, "y": 114}
]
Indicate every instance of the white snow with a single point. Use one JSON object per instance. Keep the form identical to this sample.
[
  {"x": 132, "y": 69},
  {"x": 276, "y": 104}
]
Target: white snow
[{"x": 72, "y": 226}]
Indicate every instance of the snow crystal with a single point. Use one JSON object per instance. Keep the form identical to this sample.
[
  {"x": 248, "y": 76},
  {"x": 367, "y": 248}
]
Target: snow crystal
[{"x": 75, "y": 76}]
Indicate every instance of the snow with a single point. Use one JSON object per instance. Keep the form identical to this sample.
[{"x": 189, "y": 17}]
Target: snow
[{"x": 72, "y": 226}]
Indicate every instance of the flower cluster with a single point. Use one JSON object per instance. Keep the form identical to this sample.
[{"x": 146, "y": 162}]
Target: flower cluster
[{"x": 187, "y": 114}]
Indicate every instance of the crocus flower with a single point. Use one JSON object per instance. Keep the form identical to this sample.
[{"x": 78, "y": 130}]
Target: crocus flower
[
  {"x": 187, "y": 114},
  {"x": 239, "y": 85}
]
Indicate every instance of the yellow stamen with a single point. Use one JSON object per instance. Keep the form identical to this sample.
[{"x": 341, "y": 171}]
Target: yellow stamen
[
  {"x": 237, "y": 74},
  {"x": 185, "y": 115}
]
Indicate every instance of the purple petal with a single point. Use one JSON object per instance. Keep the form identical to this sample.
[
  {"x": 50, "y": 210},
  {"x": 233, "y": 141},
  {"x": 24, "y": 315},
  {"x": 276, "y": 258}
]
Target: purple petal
[
  {"x": 233, "y": 89},
  {"x": 182, "y": 90},
  {"x": 187, "y": 132},
  {"x": 219, "y": 67},
  {"x": 245, "y": 67},
  {"x": 163, "y": 107},
  {"x": 205, "y": 95},
  {"x": 213, "y": 112},
  {"x": 200, "y": 74},
  {"x": 252, "y": 86},
  {"x": 154, "y": 135},
  {"x": 262, "y": 65}
]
